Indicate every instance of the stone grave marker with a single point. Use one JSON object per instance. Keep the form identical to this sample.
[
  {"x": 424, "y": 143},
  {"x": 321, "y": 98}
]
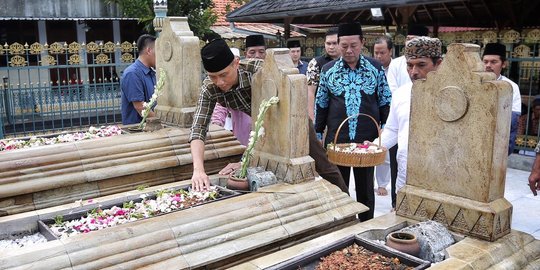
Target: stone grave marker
[
  {"x": 178, "y": 53},
  {"x": 458, "y": 141},
  {"x": 284, "y": 149}
]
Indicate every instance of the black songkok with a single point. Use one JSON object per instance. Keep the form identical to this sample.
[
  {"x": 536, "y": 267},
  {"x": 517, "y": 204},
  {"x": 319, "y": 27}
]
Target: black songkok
[
  {"x": 216, "y": 55},
  {"x": 255, "y": 40},
  {"x": 495, "y": 49},
  {"x": 293, "y": 44},
  {"x": 349, "y": 29}
]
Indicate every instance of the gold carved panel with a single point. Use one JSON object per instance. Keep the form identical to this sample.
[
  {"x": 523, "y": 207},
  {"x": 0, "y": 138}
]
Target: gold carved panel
[
  {"x": 489, "y": 37},
  {"x": 320, "y": 42},
  {"x": 108, "y": 47},
  {"x": 511, "y": 36},
  {"x": 309, "y": 42},
  {"x": 102, "y": 59},
  {"x": 16, "y": 49},
  {"x": 74, "y": 47},
  {"x": 468, "y": 37},
  {"x": 36, "y": 48},
  {"x": 92, "y": 47},
  {"x": 56, "y": 48},
  {"x": 533, "y": 36},
  {"x": 310, "y": 52},
  {"x": 17, "y": 61},
  {"x": 74, "y": 59},
  {"x": 448, "y": 38},
  {"x": 127, "y": 58},
  {"x": 522, "y": 51},
  {"x": 126, "y": 46},
  {"x": 399, "y": 39},
  {"x": 48, "y": 60}
]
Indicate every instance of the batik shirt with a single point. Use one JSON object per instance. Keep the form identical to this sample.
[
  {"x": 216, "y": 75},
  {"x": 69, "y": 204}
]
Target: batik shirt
[
  {"x": 314, "y": 69},
  {"x": 344, "y": 92},
  {"x": 237, "y": 98}
]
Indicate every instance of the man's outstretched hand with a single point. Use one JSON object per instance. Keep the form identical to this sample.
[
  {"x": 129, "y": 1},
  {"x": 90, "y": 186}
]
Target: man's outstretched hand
[{"x": 200, "y": 181}]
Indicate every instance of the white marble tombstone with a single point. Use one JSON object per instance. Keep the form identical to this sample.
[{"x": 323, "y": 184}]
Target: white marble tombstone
[{"x": 458, "y": 141}]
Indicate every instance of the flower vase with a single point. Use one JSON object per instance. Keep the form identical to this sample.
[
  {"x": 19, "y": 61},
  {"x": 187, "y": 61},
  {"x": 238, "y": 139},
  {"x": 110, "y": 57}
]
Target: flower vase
[
  {"x": 404, "y": 242},
  {"x": 237, "y": 183}
]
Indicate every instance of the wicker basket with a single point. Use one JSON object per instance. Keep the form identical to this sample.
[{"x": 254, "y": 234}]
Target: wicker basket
[{"x": 356, "y": 159}]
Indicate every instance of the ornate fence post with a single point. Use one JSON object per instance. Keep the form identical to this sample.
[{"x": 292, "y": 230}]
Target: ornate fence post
[{"x": 160, "y": 9}]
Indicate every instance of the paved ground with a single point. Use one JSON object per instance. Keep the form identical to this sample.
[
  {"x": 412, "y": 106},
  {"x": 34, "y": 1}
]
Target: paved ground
[{"x": 526, "y": 212}]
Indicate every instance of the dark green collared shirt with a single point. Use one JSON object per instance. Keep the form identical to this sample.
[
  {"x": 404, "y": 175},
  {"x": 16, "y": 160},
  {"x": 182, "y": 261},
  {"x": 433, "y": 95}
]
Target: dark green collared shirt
[{"x": 237, "y": 98}]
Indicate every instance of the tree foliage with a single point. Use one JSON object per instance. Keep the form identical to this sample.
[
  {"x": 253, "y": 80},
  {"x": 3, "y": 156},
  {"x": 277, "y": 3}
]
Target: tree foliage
[{"x": 199, "y": 12}]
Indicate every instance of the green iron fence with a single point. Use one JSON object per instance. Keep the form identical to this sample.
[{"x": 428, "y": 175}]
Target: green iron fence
[{"x": 50, "y": 88}]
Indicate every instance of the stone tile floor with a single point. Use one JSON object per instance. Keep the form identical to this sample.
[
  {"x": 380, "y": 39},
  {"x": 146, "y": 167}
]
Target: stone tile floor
[{"x": 526, "y": 212}]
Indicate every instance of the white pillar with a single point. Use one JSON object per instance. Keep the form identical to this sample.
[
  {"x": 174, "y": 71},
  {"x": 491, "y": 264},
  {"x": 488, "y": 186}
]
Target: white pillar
[
  {"x": 44, "y": 75},
  {"x": 81, "y": 39},
  {"x": 117, "y": 41}
]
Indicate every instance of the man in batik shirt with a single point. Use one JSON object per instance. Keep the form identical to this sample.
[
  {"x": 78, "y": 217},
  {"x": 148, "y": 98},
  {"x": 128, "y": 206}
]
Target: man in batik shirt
[{"x": 350, "y": 85}]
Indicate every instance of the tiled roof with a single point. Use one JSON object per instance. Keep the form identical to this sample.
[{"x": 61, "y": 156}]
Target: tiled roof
[
  {"x": 241, "y": 30},
  {"x": 220, "y": 8}
]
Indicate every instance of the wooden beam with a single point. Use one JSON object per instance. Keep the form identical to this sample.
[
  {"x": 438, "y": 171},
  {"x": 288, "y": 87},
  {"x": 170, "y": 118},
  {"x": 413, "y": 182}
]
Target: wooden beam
[
  {"x": 490, "y": 14},
  {"x": 287, "y": 26},
  {"x": 468, "y": 8},
  {"x": 406, "y": 13},
  {"x": 448, "y": 10},
  {"x": 328, "y": 16},
  {"x": 430, "y": 15},
  {"x": 394, "y": 19},
  {"x": 343, "y": 16},
  {"x": 510, "y": 11},
  {"x": 359, "y": 14}
]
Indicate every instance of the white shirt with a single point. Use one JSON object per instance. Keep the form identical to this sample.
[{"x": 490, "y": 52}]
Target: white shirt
[
  {"x": 396, "y": 130},
  {"x": 516, "y": 95},
  {"x": 397, "y": 75}
]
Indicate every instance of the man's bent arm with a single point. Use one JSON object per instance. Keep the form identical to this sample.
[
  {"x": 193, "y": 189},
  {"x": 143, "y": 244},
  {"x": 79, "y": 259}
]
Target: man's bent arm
[{"x": 138, "y": 105}]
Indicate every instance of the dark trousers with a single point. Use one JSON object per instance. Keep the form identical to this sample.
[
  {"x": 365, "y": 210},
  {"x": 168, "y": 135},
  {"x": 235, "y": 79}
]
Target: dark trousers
[
  {"x": 363, "y": 180},
  {"x": 393, "y": 173},
  {"x": 326, "y": 170}
]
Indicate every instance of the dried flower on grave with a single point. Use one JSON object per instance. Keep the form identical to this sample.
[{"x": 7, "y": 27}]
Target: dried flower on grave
[
  {"x": 255, "y": 134},
  {"x": 158, "y": 90}
]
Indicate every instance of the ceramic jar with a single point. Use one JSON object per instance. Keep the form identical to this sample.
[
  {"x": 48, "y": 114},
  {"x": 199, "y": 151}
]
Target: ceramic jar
[
  {"x": 404, "y": 242},
  {"x": 236, "y": 183}
]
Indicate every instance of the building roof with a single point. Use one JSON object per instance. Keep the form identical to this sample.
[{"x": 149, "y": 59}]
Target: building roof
[
  {"x": 471, "y": 13},
  {"x": 240, "y": 30}
]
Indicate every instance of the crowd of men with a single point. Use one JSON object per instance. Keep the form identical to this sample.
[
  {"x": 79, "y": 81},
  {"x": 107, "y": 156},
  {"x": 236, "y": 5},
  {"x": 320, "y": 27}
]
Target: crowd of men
[{"x": 341, "y": 83}]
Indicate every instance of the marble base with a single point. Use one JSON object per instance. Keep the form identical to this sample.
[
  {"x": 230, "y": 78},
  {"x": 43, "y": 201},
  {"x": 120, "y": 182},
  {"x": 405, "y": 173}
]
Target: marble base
[
  {"x": 487, "y": 221},
  {"x": 179, "y": 117},
  {"x": 292, "y": 171}
]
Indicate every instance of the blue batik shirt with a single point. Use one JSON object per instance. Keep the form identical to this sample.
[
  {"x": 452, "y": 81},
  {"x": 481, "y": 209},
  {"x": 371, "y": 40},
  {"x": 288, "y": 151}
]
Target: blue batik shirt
[
  {"x": 137, "y": 84},
  {"x": 344, "y": 92}
]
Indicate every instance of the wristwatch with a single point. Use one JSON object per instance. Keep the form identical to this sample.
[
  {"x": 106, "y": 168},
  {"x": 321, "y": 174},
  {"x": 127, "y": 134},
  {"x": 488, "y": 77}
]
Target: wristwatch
[{"x": 537, "y": 148}]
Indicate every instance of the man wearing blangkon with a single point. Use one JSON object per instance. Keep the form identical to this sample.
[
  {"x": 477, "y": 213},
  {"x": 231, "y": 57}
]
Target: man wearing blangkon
[{"x": 229, "y": 84}]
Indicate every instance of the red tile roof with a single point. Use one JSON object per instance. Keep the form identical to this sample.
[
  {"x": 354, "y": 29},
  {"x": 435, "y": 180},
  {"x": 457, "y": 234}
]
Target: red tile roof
[{"x": 224, "y": 28}]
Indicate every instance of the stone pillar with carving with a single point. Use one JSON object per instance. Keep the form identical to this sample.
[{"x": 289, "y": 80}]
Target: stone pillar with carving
[
  {"x": 160, "y": 9},
  {"x": 456, "y": 174},
  {"x": 284, "y": 149},
  {"x": 178, "y": 53}
]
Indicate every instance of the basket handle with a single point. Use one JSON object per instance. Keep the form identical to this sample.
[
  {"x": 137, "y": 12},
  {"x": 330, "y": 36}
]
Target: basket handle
[{"x": 355, "y": 115}]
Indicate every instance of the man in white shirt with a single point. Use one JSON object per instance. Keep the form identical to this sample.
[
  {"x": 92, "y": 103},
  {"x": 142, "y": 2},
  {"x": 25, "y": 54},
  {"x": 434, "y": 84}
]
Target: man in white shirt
[
  {"x": 494, "y": 58},
  {"x": 398, "y": 76},
  {"x": 383, "y": 51},
  {"x": 397, "y": 71},
  {"x": 423, "y": 55}
]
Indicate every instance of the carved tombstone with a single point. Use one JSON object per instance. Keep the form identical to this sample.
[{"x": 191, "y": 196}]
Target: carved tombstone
[
  {"x": 178, "y": 53},
  {"x": 458, "y": 141},
  {"x": 284, "y": 149}
]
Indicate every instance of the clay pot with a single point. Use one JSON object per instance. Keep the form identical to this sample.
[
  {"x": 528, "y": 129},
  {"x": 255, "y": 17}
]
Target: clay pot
[
  {"x": 236, "y": 183},
  {"x": 404, "y": 242}
]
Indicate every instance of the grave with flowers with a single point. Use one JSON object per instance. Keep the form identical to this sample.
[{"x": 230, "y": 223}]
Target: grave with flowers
[
  {"x": 88, "y": 187},
  {"x": 453, "y": 202}
]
